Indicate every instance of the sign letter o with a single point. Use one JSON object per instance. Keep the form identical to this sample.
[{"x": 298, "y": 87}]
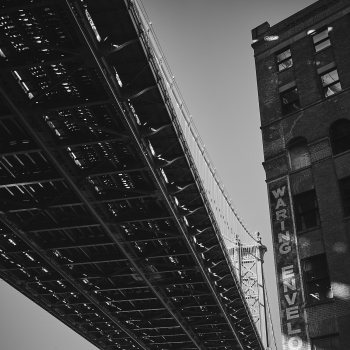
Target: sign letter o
[{"x": 295, "y": 343}]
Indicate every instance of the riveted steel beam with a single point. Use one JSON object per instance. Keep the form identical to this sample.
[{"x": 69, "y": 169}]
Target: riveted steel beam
[
  {"x": 80, "y": 243},
  {"x": 12, "y": 282},
  {"x": 50, "y": 262},
  {"x": 40, "y": 45},
  {"x": 139, "y": 217},
  {"x": 30, "y": 6},
  {"x": 54, "y": 116},
  {"x": 18, "y": 149},
  {"x": 54, "y": 84},
  {"x": 134, "y": 297},
  {"x": 182, "y": 322},
  {"x": 142, "y": 229},
  {"x": 126, "y": 190},
  {"x": 97, "y": 276},
  {"x": 68, "y": 104},
  {"x": 52, "y": 176},
  {"x": 103, "y": 259},
  {"x": 26, "y": 205},
  {"x": 23, "y": 147},
  {"x": 30, "y": 179},
  {"x": 100, "y": 212},
  {"x": 65, "y": 225},
  {"x": 19, "y": 65},
  {"x": 145, "y": 41},
  {"x": 136, "y": 92},
  {"x": 110, "y": 48}
]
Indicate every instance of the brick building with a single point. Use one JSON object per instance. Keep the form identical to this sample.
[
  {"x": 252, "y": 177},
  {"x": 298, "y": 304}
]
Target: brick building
[{"x": 303, "y": 78}]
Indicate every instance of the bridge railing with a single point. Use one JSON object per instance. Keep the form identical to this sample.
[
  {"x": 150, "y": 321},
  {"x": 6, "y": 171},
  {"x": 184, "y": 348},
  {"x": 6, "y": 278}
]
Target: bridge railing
[
  {"x": 232, "y": 226},
  {"x": 241, "y": 245}
]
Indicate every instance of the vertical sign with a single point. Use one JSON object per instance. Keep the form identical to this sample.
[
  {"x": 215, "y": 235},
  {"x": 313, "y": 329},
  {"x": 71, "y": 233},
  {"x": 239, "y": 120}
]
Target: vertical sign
[{"x": 288, "y": 273}]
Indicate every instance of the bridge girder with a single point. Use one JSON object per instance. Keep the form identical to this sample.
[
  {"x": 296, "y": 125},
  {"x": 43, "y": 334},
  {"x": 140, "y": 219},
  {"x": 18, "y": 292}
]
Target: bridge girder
[{"x": 84, "y": 198}]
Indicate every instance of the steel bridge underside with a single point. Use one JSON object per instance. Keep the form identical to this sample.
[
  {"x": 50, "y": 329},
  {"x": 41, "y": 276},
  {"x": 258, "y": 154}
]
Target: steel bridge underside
[{"x": 90, "y": 229}]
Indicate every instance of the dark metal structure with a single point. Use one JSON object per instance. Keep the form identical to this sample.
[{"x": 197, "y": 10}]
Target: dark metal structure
[{"x": 99, "y": 197}]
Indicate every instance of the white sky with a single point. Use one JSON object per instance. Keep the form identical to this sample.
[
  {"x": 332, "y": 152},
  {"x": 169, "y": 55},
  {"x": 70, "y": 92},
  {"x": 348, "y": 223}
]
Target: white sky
[{"x": 207, "y": 44}]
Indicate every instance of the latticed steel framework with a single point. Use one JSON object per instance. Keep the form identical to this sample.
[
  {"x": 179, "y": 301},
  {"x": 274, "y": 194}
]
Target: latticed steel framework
[
  {"x": 104, "y": 219},
  {"x": 247, "y": 261}
]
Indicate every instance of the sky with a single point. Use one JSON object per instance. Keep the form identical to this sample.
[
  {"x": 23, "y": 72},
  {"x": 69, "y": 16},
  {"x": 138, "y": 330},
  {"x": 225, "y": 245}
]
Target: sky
[{"x": 207, "y": 45}]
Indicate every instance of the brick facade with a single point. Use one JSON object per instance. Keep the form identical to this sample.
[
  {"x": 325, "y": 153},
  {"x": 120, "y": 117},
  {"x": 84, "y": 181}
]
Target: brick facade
[{"x": 321, "y": 175}]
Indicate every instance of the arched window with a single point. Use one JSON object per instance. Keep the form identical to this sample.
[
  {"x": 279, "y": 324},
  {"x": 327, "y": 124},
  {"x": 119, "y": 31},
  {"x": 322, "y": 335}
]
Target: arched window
[
  {"x": 299, "y": 154},
  {"x": 340, "y": 136}
]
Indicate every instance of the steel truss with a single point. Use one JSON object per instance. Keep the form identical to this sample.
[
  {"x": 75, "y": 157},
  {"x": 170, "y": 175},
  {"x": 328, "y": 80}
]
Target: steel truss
[{"x": 98, "y": 191}]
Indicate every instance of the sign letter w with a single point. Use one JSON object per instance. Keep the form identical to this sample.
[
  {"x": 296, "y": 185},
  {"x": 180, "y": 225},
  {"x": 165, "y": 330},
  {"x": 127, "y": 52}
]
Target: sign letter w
[{"x": 279, "y": 192}]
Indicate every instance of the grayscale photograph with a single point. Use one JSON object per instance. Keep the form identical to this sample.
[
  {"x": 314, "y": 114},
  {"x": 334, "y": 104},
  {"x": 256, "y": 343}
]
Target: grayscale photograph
[{"x": 174, "y": 175}]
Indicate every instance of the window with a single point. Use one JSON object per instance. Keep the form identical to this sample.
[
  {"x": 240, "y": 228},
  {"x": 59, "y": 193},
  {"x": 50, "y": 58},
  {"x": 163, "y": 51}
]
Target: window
[
  {"x": 306, "y": 210},
  {"x": 316, "y": 279},
  {"x": 326, "y": 344},
  {"x": 321, "y": 39},
  {"x": 290, "y": 101},
  {"x": 325, "y": 62},
  {"x": 345, "y": 193},
  {"x": 299, "y": 154},
  {"x": 331, "y": 83},
  {"x": 340, "y": 136},
  {"x": 284, "y": 60}
]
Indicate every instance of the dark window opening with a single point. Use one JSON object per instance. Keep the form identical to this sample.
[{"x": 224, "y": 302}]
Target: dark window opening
[
  {"x": 345, "y": 193},
  {"x": 299, "y": 154},
  {"x": 284, "y": 60},
  {"x": 290, "y": 101},
  {"x": 326, "y": 344},
  {"x": 321, "y": 40},
  {"x": 340, "y": 136},
  {"x": 306, "y": 210},
  {"x": 316, "y": 279},
  {"x": 331, "y": 83}
]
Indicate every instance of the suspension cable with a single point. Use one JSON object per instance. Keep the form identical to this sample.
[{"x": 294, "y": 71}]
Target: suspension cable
[{"x": 194, "y": 131}]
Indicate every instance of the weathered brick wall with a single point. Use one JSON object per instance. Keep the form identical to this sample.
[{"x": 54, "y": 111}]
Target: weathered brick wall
[
  {"x": 320, "y": 150},
  {"x": 308, "y": 81},
  {"x": 321, "y": 10},
  {"x": 330, "y": 319},
  {"x": 310, "y": 243},
  {"x": 343, "y": 323},
  {"x": 341, "y": 43},
  {"x": 267, "y": 81},
  {"x": 312, "y": 122},
  {"x": 324, "y": 326},
  {"x": 276, "y": 167},
  {"x": 333, "y": 227},
  {"x": 328, "y": 311},
  {"x": 301, "y": 181},
  {"x": 342, "y": 165},
  {"x": 273, "y": 140}
]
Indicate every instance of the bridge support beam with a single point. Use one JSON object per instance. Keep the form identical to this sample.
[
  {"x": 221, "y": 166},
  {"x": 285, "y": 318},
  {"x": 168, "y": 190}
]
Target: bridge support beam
[{"x": 50, "y": 262}]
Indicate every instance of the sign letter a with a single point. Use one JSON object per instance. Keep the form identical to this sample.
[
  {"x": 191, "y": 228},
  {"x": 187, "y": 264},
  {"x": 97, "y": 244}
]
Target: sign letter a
[{"x": 279, "y": 192}]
